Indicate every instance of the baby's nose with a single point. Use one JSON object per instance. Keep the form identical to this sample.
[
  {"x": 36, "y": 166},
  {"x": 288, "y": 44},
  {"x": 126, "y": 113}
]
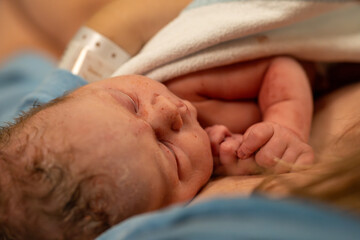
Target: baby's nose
[{"x": 167, "y": 114}]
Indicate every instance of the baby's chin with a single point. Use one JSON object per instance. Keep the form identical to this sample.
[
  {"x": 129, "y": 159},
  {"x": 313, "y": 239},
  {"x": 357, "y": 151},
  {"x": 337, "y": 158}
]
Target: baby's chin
[{"x": 190, "y": 189}]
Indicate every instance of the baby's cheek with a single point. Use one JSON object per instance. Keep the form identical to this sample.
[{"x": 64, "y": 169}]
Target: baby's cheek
[
  {"x": 141, "y": 128},
  {"x": 206, "y": 154},
  {"x": 197, "y": 144}
]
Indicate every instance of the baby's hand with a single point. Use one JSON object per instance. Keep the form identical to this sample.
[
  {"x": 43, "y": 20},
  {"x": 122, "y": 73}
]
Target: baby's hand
[
  {"x": 275, "y": 148},
  {"x": 224, "y": 146}
]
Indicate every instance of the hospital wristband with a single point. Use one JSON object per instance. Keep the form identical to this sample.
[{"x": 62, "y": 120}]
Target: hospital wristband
[{"x": 92, "y": 56}]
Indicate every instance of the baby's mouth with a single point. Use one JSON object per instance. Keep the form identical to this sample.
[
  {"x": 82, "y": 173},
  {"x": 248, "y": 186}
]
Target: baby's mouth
[{"x": 170, "y": 147}]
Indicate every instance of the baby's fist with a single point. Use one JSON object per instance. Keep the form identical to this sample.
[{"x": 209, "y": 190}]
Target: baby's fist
[
  {"x": 224, "y": 146},
  {"x": 276, "y": 148}
]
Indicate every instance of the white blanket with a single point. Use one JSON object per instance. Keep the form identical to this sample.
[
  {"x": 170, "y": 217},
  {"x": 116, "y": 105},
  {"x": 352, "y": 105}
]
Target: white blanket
[{"x": 212, "y": 33}]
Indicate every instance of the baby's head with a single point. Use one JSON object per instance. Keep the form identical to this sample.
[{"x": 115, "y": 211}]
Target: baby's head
[{"x": 104, "y": 152}]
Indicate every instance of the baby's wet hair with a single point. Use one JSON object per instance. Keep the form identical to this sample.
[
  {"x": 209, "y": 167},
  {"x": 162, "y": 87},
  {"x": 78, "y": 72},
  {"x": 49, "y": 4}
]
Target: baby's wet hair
[{"x": 39, "y": 197}]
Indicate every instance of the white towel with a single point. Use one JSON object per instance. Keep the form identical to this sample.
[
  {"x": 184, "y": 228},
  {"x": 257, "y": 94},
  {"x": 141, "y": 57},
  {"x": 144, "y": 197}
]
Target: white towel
[{"x": 218, "y": 32}]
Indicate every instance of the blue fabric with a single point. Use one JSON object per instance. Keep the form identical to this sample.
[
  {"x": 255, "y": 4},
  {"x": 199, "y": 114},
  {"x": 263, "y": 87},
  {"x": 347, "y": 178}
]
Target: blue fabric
[
  {"x": 31, "y": 78},
  {"x": 239, "y": 218},
  {"x": 200, "y": 3}
]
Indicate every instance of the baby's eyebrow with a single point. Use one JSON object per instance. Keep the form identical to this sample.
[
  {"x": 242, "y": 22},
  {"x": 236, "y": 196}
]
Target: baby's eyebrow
[{"x": 37, "y": 107}]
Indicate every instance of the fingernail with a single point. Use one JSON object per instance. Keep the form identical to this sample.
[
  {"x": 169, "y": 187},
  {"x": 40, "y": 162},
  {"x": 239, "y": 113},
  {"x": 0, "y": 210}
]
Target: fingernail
[{"x": 241, "y": 155}]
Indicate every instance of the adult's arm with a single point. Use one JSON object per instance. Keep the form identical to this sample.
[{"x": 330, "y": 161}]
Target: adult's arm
[
  {"x": 36, "y": 26},
  {"x": 130, "y": 24}
]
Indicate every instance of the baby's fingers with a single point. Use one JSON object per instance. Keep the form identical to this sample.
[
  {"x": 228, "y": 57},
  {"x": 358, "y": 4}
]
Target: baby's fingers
[
  {"x": 254, "y": 138},
  {"x": 217, "y": 135},
  {"x": 305, "y": 160},
  {"x": 269, "y": 155},
  {"x": 295, "y": 159},
  {"x": 227, "y": 151},
  {"x": 286, "y": 162}
]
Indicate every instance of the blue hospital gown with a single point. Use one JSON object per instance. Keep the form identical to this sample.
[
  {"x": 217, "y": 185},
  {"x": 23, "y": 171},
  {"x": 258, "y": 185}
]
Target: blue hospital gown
[
  {"x": 30, "y": 78},
  {"x": 255, "y": 218}
]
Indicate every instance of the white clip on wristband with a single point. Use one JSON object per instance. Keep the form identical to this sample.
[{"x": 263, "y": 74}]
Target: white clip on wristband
[{"x": 92, "y": 56}]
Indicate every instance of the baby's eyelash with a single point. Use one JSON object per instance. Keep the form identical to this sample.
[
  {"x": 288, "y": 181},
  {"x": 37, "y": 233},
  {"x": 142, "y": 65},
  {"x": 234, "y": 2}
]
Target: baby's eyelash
[
  {"x": 136, "y": 106},
  {"x": 125, "y": 99},
  {"x": 135, "y": 103}
]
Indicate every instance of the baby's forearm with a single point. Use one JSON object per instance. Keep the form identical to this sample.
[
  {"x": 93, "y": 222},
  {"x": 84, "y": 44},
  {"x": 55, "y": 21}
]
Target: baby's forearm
[
  {"x": 285, "y": 96},
  {"x": 130, "y": 24}
]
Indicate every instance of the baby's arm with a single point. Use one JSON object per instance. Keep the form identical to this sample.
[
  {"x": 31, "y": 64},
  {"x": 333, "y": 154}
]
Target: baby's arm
[{"x": 279, "y": 142}]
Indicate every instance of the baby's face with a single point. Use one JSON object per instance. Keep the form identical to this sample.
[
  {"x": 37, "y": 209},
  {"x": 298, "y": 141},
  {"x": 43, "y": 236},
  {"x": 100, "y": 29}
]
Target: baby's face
[{"x": 134, "y": 130}]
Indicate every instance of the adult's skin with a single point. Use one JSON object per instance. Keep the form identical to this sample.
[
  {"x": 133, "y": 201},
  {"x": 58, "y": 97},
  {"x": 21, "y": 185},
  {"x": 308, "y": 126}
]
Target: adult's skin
[
  {"x": 48, "y": 26},
  {"x": 44, "y": 26}
]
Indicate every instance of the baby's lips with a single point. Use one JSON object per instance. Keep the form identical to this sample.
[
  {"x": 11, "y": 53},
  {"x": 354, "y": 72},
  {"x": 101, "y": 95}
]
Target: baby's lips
[
  {"x": 215, "y": 149},
  {"x": 216, "y": 161}
]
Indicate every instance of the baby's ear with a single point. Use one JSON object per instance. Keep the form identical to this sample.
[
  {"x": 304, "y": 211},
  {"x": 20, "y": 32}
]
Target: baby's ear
[{"x": 90, "y": 209}]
